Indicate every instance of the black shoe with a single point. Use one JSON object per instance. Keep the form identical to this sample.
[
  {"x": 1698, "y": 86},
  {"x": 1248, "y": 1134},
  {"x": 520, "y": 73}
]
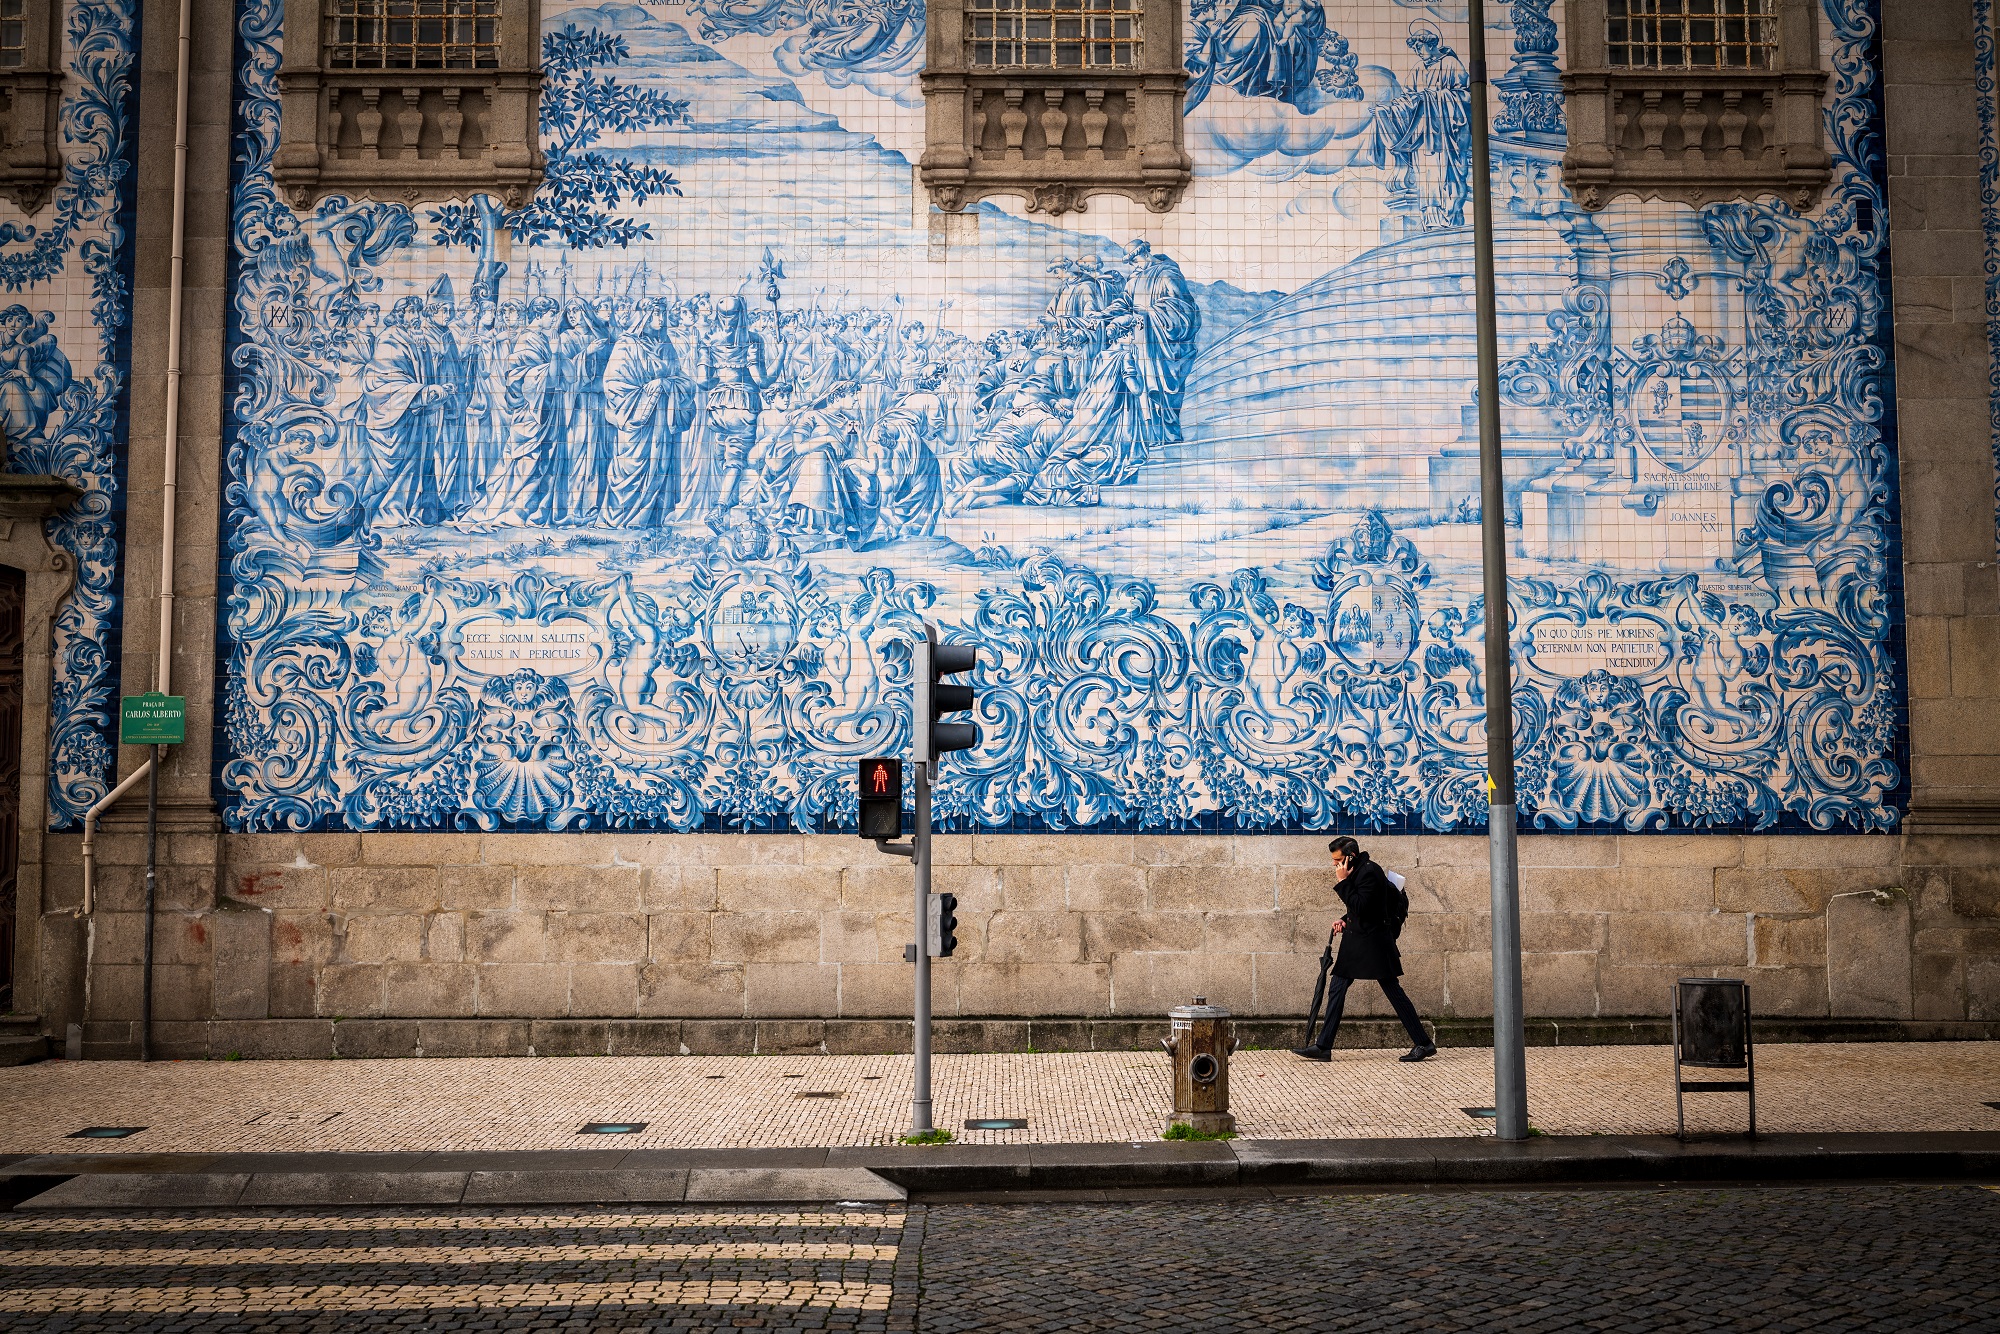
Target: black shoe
[
  {"x": 1313, "y": 1053},
  {"x": 1418, "y": 1054}
]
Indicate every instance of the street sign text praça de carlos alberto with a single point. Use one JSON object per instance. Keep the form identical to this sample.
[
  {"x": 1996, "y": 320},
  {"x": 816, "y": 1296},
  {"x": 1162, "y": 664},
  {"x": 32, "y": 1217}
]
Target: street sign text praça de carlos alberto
[{"x": 152, "y": 719}]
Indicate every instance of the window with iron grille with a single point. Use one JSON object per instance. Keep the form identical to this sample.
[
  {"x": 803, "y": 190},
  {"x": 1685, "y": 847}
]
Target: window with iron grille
[
  {"x": 1690, "y": 34},
  {"x": 1693, "y": 100},
  {"x": 30, "y": 100},
  {"x": 13, "y": 33},
  {"x": 1053, "y": 101},
  {"x": 411, "y": 34},
  {"x": 1052, "y": 34},
  {"x": 414, "y": 100}
]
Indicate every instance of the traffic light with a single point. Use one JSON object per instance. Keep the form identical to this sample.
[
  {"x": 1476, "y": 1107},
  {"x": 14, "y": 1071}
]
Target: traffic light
[
  {"x": 944, "y": 925},
  {"x": 881, "y": 798},
  {"x": 936, "y": 696}
]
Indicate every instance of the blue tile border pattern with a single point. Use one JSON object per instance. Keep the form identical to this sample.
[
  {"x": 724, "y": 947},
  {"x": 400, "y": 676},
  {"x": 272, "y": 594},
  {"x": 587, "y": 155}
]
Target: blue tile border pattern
[
  {"x": 70, "y": 424},
  {"x": 540, "y": 609}
]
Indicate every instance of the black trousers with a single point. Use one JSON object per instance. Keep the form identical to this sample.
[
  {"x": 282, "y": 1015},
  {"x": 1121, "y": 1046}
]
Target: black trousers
[{"x": 1399, "y": 1000}]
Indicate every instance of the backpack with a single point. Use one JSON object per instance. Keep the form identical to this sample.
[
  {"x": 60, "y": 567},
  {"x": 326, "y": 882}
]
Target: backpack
[{"x": 1399, "y": 903}]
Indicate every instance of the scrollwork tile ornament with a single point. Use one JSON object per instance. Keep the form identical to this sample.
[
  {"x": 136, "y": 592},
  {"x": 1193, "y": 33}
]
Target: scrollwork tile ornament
[{"x": 1677, "y": 278}]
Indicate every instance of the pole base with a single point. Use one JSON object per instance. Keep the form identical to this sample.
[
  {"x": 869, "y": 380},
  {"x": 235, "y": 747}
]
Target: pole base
[{"x": 1207, "y": 1123}]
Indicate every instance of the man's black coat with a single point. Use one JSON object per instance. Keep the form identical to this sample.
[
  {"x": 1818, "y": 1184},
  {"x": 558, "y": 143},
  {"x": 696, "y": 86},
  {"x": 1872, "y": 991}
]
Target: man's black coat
[{"x": 1368, "y": 945}]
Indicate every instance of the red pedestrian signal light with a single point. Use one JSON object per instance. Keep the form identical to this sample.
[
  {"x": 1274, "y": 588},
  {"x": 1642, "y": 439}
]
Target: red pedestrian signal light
[{"x": 881, "y": 790}]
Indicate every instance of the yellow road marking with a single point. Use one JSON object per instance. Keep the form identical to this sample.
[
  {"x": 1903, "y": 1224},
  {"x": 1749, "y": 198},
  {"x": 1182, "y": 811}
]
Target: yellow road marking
[
  {"x": 438, "y": 1222},
  {"x": 385, "y": 1255},
  {"x": 431, "y": 1296}
]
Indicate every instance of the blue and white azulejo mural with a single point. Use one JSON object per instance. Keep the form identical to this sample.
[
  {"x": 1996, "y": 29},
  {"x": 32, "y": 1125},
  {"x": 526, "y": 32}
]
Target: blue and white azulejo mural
[
  {"x": 623, "y": 509},
  {"x": 65, "y": 346}
]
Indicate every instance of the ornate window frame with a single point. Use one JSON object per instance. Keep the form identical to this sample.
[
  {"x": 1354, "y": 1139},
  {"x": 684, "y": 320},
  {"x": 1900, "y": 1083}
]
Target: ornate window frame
[
  {"x": 1695, "y": 135},
  {"x": 30, "y": 104},
  {"x": 1054, "y": 135},
  {"x": 413, "y": 135}
]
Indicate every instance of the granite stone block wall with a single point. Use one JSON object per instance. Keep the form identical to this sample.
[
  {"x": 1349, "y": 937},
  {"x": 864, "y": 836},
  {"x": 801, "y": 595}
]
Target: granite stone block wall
[{"x": 589, "y": 933}]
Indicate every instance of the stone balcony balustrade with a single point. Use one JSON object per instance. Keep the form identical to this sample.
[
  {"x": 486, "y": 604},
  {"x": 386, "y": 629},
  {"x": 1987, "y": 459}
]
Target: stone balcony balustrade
[
  {"x": 408, "y": 134},
  {"x": 1057, "y": 136},
  {"x": 1695, "y": 136}
]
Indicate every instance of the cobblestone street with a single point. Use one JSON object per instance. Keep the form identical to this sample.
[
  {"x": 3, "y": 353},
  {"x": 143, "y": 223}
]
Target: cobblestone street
[
  {"x": 1065, "y": 1097},
  {"x": 1828, "y": 1259}
]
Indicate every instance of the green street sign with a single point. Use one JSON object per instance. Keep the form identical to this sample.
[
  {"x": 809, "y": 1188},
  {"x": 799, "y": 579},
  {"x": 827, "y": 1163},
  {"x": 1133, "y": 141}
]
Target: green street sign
[{"x": 152, "y": 719}]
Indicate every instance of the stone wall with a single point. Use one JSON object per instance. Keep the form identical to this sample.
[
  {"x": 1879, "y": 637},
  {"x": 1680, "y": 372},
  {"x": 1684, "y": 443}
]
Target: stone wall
[
  {"x": 1945, "y": 398},
  {"x": 720, "y": 927}
]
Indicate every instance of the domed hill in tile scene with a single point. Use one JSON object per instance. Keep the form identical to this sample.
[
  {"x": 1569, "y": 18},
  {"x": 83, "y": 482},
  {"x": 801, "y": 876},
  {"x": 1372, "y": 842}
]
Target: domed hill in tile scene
[{"x": 1359, "y": 378}]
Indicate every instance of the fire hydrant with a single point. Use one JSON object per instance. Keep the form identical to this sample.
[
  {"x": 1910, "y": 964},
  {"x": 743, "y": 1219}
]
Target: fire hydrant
[{"x": 1199, "y": 1044}]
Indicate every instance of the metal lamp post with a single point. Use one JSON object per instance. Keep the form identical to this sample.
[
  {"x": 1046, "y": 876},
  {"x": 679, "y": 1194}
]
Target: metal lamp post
[{"x": 1510, "y": 1072}]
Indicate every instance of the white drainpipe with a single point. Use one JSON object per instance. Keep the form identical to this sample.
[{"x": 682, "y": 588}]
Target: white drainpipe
[{"x": 163, "y": 675}]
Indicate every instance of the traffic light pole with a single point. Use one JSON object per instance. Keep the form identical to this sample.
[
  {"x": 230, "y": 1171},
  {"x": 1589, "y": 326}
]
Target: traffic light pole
[
  {"x": 931, "y": 738},
  {"x": 920, "y": 1098}
]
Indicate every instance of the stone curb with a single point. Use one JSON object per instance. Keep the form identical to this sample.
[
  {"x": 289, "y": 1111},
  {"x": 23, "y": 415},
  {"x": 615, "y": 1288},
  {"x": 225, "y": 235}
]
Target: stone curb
[
  {"x": 887, "y": 1175},
  {"x": 380, "y": 1039},
  {"x": 351, "y": 1188}
]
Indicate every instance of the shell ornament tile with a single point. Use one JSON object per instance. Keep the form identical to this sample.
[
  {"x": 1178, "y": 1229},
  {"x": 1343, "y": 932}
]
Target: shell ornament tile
[{"x": 623, "y": 510}]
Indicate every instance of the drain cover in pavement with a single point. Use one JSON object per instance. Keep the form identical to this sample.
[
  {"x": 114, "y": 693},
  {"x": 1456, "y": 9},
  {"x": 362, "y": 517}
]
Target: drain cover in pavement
[
  {"x": 1481, "y": 1113},
  {"x": 106, "y": 1132},
  {"x": 817, "y": 1095},
  {"x": 1994, "y": 1105},
  {"x": 292, "y": 1118},
  {"x": 999, "y": 1123},
  {"x": 612, "y": 1128}
]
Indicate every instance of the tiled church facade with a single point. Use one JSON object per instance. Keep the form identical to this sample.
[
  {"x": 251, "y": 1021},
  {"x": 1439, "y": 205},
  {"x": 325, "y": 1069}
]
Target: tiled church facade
[{"x": 539, "y": 583}]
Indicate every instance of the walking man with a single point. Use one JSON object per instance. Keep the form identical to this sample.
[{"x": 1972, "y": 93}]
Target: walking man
[{"x": 1375, "y": 911}]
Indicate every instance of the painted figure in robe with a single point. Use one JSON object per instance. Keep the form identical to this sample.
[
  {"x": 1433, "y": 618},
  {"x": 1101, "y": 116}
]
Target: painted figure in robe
[
  {"x": 1159, "y": 295},
  {"x": 1268, "y": 48},
  {"x": 518, "y": 494},
  {"x": 409, "y": 415},
  {"x": 1101, "y": 445},
  {"x": 906, "y": 463},
  {"x": 581, "y": 350},
  {"x": 33, "y": 374},
  {"x": 1424, "y": 134},
  {"x": 1009, "y": 453},
  {"x": 649, "y": 403},
  {"x": 827, "y": 494}
]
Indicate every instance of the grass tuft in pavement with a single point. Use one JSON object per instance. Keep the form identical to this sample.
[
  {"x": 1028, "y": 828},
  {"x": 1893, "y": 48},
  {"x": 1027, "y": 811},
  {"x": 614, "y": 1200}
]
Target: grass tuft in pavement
[{"x": 1179, "y": 1131}]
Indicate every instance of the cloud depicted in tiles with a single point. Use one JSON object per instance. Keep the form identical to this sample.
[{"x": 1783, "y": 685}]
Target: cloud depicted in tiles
[{"x": 1230, "y": 131}]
